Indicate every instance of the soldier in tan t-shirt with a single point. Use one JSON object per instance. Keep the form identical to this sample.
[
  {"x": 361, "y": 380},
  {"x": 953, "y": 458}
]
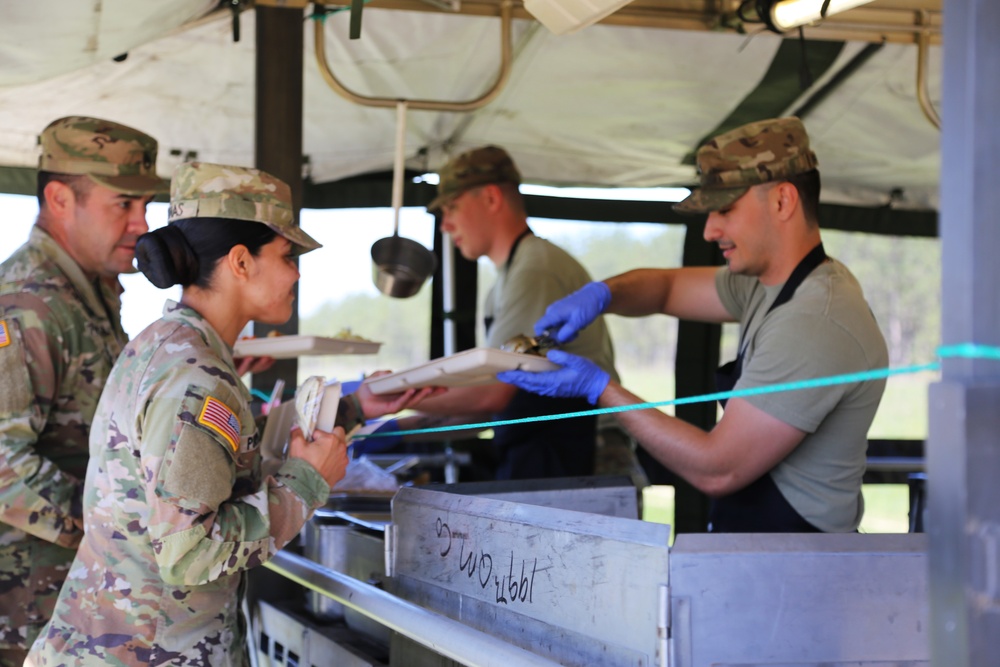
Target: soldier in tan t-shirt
[
  {"x": 781, "y": 462},
  {"x": 481, "y": 207}
]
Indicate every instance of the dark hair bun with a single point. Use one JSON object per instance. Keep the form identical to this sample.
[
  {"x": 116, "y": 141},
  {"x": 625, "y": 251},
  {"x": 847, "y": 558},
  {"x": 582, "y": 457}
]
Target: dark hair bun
[{"x": 166, "y": 258}]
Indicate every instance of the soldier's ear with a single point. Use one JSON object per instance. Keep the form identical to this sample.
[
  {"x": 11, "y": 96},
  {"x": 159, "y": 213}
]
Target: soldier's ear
[
  {"x": 786, "y": 198},
  {"x": 239, "y": 261},
  {"x": 492, "y": 196},
  {"x": 59, "y": 198}
]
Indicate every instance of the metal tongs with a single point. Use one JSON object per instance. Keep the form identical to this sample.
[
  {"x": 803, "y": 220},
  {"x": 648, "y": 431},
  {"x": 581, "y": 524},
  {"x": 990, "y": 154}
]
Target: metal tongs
[{"x": 537, "y": 345}]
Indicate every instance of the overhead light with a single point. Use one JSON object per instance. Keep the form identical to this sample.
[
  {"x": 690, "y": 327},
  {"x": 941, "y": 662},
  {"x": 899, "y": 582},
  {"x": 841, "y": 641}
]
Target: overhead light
[
  {"x": 563, "y": 17},
  {"x": 785, "y": 15}
]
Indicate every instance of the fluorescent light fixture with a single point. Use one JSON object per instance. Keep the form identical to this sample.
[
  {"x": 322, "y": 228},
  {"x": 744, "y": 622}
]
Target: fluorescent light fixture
[
  {"x": 784, "y": 15},
  {"x": 563, "y": 17}
]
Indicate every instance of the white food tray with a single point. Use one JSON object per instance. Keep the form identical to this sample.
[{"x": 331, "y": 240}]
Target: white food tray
[
  {"x": 479, "y": 365},
  {"x": 287, "y": 347}
]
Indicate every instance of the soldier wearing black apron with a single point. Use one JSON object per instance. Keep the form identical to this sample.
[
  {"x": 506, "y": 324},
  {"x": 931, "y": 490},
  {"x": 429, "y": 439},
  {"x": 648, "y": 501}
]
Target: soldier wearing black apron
[
  {"x": 760, "y": 507},
  {"x": 786, "y": 461},
  {"x": 482, "y": 210}
]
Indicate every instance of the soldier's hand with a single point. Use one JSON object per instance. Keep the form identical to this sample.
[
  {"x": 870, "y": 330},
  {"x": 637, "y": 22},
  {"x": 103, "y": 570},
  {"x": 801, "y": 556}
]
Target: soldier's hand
[
  {"x": 569, "y": 314},
  {"x": 246, "y": 365},
  {"x": 376, "y": 405},
  {"x": 327, "y": 452},
  {"x": 577, "y": 377}
]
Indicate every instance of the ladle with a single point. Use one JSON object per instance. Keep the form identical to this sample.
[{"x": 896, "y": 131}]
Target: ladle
[{"x": 400, "y": 265}]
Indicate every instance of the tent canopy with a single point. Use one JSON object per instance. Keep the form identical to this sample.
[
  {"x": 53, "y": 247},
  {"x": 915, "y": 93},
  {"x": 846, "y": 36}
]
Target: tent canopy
[{"x": 623, "y": 103}]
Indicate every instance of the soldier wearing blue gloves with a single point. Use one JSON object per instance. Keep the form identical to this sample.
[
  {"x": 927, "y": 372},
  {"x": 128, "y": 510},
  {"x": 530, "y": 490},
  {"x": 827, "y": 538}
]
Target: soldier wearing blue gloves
[{"x": 783, "y": 462}]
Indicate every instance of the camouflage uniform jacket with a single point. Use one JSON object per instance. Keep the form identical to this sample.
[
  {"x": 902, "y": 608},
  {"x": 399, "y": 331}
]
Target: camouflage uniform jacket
[
  {"x": 176, "y": 509},
  {"x": 59, "y": 337}
]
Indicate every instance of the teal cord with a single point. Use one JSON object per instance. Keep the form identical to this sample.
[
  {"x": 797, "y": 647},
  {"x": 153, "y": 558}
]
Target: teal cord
[
  {"x": 964, "y": 350},
  {"x": 259, "y": 394},
  {"x": 970, "y": 351}
]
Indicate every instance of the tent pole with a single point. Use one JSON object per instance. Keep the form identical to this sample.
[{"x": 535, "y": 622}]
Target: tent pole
[{"x": 278, "y": 138}]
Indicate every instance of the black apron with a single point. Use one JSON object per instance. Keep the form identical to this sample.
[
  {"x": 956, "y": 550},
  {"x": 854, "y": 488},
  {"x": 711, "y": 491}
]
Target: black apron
[
  {"x": 488, "y": 321},
  {"x": 544, "y": 449},
  {"x": 760, "y": 507}
]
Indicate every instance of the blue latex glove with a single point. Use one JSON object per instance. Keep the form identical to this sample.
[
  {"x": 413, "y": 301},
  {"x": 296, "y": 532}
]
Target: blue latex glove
[
  {"x": 349, "y": 387},
  {"x": 569, "y": 314},
  {"x": 388, "y": 429},
  {"x": 577, "y": 377}
]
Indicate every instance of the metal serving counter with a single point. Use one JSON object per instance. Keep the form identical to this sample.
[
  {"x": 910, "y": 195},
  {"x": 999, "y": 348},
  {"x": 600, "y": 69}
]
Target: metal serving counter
[
  {"x": 488, "y": 574},
  {"x": 797, "y": 600},
  {"x": 575, "y": 587}
]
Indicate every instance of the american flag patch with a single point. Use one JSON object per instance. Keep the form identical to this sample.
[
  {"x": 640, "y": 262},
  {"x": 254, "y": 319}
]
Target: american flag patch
[
  {"x": 216, "y": 416},
  {"x": 4, "y": 334}
]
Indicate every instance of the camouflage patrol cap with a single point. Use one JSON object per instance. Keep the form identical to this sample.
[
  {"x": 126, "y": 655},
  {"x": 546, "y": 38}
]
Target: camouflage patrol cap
[
  {"x": 112, "y": 155},
  {"x": 733, "y": 162},
  {"x": 203, "y": 190},
  {"x": 489, "y": 164}
]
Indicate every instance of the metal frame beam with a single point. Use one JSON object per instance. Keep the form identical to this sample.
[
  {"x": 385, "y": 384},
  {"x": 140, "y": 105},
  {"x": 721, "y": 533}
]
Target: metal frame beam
[
  {"x": 963, "y": 456},
  {"x": 883, "y": 20}
]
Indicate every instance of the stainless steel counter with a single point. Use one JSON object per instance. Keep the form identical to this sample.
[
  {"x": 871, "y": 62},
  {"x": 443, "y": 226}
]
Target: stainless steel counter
[{"x": 494, "y": 575}]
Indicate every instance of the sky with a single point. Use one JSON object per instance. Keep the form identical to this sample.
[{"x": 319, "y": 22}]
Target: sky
[{"x": 349, "y": 233}]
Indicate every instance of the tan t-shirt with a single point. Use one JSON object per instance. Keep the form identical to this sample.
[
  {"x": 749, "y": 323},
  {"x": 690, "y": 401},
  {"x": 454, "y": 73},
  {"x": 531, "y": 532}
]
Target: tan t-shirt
[
  {"x": 826, "y": 329},
  {"x": 540, "y": 274}
]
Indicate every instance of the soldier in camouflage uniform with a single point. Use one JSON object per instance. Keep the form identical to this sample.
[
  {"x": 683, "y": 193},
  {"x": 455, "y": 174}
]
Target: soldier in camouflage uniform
[
  {"x": 177, "y": 509},
  {"x": 60, "y": 334},
  {"x": 781, "y": 462}
]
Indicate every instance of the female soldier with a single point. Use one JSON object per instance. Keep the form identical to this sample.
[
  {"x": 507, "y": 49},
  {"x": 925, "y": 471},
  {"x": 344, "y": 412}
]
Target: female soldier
[{"x": 175, "y": 506}]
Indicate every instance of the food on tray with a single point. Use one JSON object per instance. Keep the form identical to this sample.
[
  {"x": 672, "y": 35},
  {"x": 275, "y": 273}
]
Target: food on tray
[
  {"x": 347, "y": 334},
  {"x": 273, "y": 333}
]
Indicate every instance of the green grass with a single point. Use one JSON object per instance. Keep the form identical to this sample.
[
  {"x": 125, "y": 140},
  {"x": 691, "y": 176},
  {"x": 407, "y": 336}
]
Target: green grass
[
  {"x": 886, "y": 507},
  {"x": 658, "y": 506},
  {"x": 903, "y": 411}
]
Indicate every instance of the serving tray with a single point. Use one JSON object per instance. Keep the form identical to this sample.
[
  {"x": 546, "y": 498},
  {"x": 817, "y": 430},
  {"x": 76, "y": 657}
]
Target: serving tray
[
  {"x": 477, "y": 366},
  {"x": 287, "y": 347}
]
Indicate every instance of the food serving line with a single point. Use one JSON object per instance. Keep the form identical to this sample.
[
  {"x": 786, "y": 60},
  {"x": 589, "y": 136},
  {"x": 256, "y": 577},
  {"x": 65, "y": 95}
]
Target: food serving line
[
  {"x": 546, "y": 572},
  {"x": 563, "y": 572}
]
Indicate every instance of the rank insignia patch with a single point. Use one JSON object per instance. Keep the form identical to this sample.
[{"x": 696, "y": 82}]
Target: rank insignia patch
[
  {"x": 216, "y": 416},
  {"x": 4, "y": 334}
]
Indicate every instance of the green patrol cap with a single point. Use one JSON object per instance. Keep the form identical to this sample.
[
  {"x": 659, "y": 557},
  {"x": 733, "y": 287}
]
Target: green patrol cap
[
  {"x": 111, "y": 154},
  {"x": 489, "y": 164},
  {"x": 759, "y": 152},
  {"x": 203, "y": 190}
]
